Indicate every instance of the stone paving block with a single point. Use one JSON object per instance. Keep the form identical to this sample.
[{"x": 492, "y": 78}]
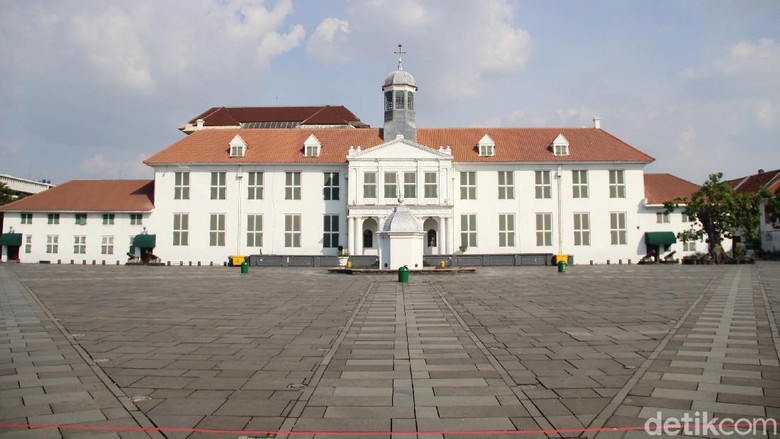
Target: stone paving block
[
  {"x": 187, "y": 406},
  {"x": 252, "y": 408},
  {"x": 68, "y": 418}
]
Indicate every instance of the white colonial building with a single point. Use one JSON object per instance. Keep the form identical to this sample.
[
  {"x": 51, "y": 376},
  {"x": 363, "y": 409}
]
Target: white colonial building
[{"x": 289, "y": 187}]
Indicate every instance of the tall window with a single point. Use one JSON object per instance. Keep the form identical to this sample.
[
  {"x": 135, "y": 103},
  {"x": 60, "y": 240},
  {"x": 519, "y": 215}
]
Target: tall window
[
  {"x": 409, "y": 100},
  {"x": 617, "y": 184},
  {"x": 662, "y": 217},
  {"x": 27, "y": 218},
  {"x": 506, "y": 185},
  {"x": 81, "y": 219},
  {"x": 399, "y": 100},
  {"x": 579, "y": 184},
  {"x": 254, "y": 186},
  {"x": 506, "y": 230},
  {"x": 54, "y": 218},
  {"x": 391, "y": 185},
  {"x": 468, "y": 185},
  {"x": 543, "y": 185},
  {"x": 181, "y": 186},
  {"x": 107, "y": 245},
  {"x": 543, "y": 229},
  {"x": 368, "y": 239},
  {"x": 292, "y": 230},
  {"x": 617, "y": 227},
  {"x": 369, "y": 185},
  {"x": 108, "y": 219},
  {"x": 431, "y": 187},
  {"x": 581, "y": 229},
  {"x": 79, "y": 245},
  {"x": 331, "y": 189},
  {"x": 52, "y": 244},
  {"x": 28, "y": 243},
  {"x": 388, "y": 101},
  {"x": 218, "y": 185},
  {"x": 468, "y": 230},
  {"x": 410, "y": 185},
  {"x": 181, "y": 229},
  {"x": 330, "y": 236},
  {"x": 292, "y": 185},
  {"x": 254, "y": 230},
  {"x": 136, "y": 219},
  {"x": 217, "y": 230}
]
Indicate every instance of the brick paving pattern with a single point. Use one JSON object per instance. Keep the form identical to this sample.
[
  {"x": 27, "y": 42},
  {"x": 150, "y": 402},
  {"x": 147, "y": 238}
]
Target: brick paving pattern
[{"x": 301, "y": 350}]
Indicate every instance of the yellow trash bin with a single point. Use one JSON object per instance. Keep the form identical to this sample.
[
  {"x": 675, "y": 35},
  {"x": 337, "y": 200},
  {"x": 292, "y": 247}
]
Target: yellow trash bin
[
  {"x": 236, "y": 261},
  {"x": 561, "y": 257}
]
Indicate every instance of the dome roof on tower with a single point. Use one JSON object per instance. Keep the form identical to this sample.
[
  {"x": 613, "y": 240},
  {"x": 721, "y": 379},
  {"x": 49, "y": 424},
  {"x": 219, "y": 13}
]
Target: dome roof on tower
[
  {"x": 400, "y": 77},
  {"x": 401, "y": 220}
]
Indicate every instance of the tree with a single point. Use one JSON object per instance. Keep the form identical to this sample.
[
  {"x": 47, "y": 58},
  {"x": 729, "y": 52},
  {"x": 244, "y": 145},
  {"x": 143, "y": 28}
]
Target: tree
[
  {"x": 6, "y": 194},
  {"x": 720, "y": 213}
]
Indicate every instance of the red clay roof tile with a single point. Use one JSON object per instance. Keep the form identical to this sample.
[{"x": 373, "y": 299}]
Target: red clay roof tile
[
  {"x": 90, "y": 196},
  {"x": 660, "y": 188}
]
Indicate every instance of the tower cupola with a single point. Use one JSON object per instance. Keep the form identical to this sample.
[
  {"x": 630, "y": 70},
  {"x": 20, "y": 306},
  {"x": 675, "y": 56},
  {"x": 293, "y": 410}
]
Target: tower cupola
[{"x": 399, "y": 92}]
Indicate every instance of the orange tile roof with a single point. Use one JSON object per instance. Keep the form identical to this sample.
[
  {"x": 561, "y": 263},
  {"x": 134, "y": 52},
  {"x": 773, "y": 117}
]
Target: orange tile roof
[
  {"x": 660, "y": 188},
  {"x": 512, "y": 145},
  {"x": 753, "y": 183},
  {"x": 90, "y": 196}
]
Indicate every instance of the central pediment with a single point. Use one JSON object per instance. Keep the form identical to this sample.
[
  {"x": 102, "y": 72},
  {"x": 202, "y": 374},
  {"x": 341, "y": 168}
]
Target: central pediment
[{"x": 399, "y": 149}]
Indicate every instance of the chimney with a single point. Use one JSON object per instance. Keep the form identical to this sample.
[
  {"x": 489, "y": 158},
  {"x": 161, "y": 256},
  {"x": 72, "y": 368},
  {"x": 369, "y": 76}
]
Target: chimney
[
  {"x": 760, "y": 171},
  {"x": 200, "y": 123},
  {"x": 597, "y": 123}
]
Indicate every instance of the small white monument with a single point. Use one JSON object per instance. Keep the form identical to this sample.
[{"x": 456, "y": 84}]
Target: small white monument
[{"x": 401, "y": 240}]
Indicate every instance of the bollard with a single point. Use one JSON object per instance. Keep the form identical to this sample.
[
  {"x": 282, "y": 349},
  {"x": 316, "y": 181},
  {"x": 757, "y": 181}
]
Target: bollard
[
  {"x": 442, "y": 264},
  {"x": 403, "y": 274}
]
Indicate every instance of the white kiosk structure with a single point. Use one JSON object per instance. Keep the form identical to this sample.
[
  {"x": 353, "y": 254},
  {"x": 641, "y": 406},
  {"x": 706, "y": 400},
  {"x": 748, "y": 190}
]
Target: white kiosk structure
[{"x": 401, "y": 240}]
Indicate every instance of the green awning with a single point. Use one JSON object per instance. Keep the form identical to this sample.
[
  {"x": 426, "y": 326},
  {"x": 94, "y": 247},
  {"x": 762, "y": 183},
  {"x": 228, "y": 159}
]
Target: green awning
[
  {"x": 144, "y": 241},
  {"x": 11, "y": 239},
  {"x": 660, "y": 238}
]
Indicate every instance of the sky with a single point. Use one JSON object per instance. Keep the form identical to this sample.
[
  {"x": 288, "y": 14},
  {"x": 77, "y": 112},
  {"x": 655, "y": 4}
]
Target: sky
[{"x": 90, "y": 88}]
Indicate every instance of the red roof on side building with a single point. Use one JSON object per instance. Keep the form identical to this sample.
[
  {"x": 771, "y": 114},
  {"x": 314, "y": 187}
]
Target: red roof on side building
[
  {"x": 90, "y": 196},
  {"x": 511, "y": 145},
  {"x": 312, "y": 115},
  {"x": 660, "y": 188},
  {"x": 753, "y": 183}
]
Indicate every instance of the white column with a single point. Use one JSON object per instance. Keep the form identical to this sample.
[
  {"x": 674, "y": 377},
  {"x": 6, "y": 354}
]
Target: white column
[
  {"x": 356, "y": 236},
  {"x": 445, "y": 236},
  {"x": 350, "y": 235}
]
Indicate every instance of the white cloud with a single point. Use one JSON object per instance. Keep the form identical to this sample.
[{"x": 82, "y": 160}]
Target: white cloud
[
  {"x": 766, "y": 113},
  {"x": 686, "y": 142},
  {"x": 327, "y": 42},
  {"x": 99, "y": 165},
  {"x": 759, "y": 59}
]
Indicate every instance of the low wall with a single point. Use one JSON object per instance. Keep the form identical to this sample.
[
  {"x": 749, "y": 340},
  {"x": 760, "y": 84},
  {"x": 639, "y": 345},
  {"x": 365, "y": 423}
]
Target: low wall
[{"x": 367, "y": 261}]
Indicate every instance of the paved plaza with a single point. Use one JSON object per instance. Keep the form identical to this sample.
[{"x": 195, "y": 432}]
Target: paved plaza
[{"x": 205, "y": 352}]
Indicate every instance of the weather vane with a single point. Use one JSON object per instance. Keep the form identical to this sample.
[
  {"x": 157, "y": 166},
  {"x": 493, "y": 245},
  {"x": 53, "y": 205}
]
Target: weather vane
[{"x": 400, "y": 53}]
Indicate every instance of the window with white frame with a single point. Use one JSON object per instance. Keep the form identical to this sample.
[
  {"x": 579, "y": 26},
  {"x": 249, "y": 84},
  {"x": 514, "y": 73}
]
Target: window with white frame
[
  {"x": 52, "y": 244},
  {"x": 54, "y": 218},
  {"x": 108, "y": 219},
  {"x": 506, "y": 185},
  {"x": 136, "y": 219},
  {"x": 330, "y": 228},
  {"x": 662, "y": 217},
  {"x": 486, "y": 146},
  {"x": 218, "y": 185},
  {"x": 543, "y": 185},
  {"x": 312, "y": 146},
  {"x": 689, "y": 246},
  {"x": 81, "y": 219},
  {"x": 391, "y": 185},
  {"x": 292, "y": 185},
  {"x": 399, "y": 100},
  {"x": 217, "y": 230},
  {"x": 506, "y": 230},
  {"x": 560, "y": 146},
  {"x": 181, "y": 229},
  {"x": 107, "y": 245},
  {"x": 369, "y": 185},
  {"x": 28, "y": 243},
  {"x": 431, "y": 186},
  {"x": 579, "y": 186},
  {"x": 181, "y": 186},
  {"x": 292, "y": 230},
  {"x": 254, "y": 230},
  {"x": 468, "y": 185},
  {"x": 617, "y": 184},
  {"x": 26, "y": 218},
  {"x": 79, "y": 245},
  {"x": 410, "y": 185},
  {"x": 331, "y": 189},
  {"x": 410, "y": 100},
  {"x": 388, "y": 101},
  {"x": 688, "y": 218},
  {"x": 617, "y": 228},
  {"x": 254, "y": 186},
  {"x": 468, "y": 230},
  {"x": 582, "y": 228},
  {"x": 237, "y": 147},
  {"x": 543, "y": 229}
]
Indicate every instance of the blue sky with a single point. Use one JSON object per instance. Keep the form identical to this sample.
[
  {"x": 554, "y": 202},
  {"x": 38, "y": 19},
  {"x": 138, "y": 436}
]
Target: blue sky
[{"x": 92, "y": 87}]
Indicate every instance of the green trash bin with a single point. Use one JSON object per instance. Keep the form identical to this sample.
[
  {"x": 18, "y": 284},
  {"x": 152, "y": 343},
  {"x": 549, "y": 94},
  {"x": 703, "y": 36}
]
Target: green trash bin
[
  {"x": 244, "y": 267},
  {"x": 403, "y": 274},
  {"x": 561, "y": 266}
]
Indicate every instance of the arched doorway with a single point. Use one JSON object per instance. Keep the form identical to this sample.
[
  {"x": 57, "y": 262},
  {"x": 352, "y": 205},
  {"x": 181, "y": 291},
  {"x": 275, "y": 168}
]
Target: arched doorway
[
  {"x": 431, "y": 228},
  {"x": 369, "y": 242}
]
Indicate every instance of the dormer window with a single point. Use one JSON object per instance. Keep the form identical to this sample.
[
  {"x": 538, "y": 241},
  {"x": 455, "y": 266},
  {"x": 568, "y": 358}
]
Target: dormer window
[
  {"x": 311, "y": 147},
  {"x": 560, "y": 146},
  {"x": 237, "y": 147},
  {"x": 486, "y": 146}
]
